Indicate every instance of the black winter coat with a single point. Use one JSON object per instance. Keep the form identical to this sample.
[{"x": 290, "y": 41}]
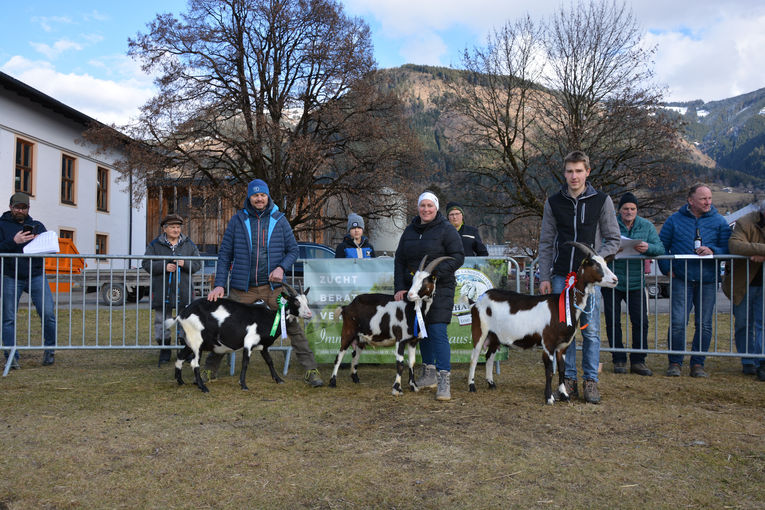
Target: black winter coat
[
  {"x": 347, "y": 249},
  {"x": 471, "y": 242},
  {"x": 435, "y": 239},
  {"x": 8, "y": 229},
  {"x": 163, "y": 284}
]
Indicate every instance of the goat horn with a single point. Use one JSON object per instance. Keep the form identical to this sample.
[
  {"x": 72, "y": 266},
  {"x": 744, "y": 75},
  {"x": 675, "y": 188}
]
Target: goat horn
[
  {"x": 290, "y": 289},
  {"x": 583, "y": 248},
  {"x": 435, "y": 262},
  {"x": 422, "y": 263}
]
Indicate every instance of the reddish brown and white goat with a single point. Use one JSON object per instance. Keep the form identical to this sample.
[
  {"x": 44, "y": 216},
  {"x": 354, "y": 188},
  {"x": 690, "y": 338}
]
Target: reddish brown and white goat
[
  {"x": 523, "y": 321},
  {"x": 379, "y": 320},
  {"x": 225, "y": 326}
]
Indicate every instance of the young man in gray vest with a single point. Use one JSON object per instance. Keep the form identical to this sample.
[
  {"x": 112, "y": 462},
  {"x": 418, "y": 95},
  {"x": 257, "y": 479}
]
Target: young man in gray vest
[{"x": 578, "y": 212}]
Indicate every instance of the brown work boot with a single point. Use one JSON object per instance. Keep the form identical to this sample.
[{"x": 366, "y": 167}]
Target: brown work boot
[
  {"x": 698, "y": 371},
  {"x": 591, "y": 393},
  {"x": 571, "y": 389}
]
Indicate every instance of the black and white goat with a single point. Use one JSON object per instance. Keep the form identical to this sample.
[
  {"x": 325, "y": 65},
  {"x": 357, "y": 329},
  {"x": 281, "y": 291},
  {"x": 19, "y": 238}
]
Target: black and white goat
[
  {"x": 225, "y": 326},
  {"x": 519, "y": 320},
  {"x": 379, "y": 320}
]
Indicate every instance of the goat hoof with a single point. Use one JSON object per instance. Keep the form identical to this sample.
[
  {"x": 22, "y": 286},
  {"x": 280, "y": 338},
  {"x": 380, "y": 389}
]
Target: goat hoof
[
  {"x": 245, "y": 388},
  {"x": 279, "y": 381},
  {"x": 396, "y": 392},
  {"x": 204, "y": 389},
  {"x": 550, "y": 400},
  {"x": 472, "y": 388},
  {"x": 414, "y": 387},
  {"x": 492, "y": 386},
  {"x": 355, "y": 378},
  {"x": 333, "y": 382}
]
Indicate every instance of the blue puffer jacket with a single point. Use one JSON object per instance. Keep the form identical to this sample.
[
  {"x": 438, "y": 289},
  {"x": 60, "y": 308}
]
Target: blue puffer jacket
[
  {"x": 8, "y": 229},
  {"x": 677, "y": 236},
  {"x": 236, "y": 248}
]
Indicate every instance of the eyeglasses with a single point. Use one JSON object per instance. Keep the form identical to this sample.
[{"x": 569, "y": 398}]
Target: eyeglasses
[{"x": 21, "y": 207}]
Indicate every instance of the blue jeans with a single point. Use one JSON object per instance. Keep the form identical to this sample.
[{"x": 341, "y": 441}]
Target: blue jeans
[
  {"x": 638, "y": 311},
  {"x": 749, "y": 340},
  {"x": 39, "y": 291},
  {"x": 590, "y": 335},
  {"x": 702, "y": 299},
  {"x": 435, "y": 348}
]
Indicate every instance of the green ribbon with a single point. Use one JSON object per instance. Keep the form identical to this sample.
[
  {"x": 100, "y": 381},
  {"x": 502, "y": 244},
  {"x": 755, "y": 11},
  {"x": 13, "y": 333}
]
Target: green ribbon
[{"x": 281, "y": 303}]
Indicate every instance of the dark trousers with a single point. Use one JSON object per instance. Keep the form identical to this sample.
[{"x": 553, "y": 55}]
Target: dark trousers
[{"x": 637, "y": 307}]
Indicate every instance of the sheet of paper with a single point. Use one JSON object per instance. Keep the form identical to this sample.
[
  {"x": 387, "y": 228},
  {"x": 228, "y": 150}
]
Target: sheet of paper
[
  {"x": 47, "y": 242},
  {"x": 627, "y": 247}
]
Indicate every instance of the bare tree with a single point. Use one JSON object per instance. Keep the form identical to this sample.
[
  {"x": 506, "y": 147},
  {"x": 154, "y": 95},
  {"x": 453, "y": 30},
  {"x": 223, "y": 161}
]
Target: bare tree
[
  {"x": 537, "y": 91},
  {"x": 281, "y": 90}
]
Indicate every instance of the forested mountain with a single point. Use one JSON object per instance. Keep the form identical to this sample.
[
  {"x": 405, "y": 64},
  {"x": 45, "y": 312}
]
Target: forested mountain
[
  {"x": 730, "y": 131},
  {"x": 726, "y": 138}
]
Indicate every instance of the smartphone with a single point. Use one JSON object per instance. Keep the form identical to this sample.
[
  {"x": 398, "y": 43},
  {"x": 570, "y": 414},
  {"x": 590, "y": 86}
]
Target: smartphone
[{"x": 28, "y": 228}]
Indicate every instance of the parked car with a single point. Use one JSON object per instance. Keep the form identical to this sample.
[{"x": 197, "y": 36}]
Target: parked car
[{"x": 309, "y": 250}]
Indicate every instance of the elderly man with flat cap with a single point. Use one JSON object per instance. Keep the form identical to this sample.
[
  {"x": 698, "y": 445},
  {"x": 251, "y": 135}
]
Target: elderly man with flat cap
[
  {"x": 17, "y": 229},
  {"x": 170, "y": 277}
]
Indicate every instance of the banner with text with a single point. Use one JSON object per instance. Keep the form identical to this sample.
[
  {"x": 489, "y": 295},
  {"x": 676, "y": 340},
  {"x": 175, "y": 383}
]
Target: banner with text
[{"x": 335, "y": 282}]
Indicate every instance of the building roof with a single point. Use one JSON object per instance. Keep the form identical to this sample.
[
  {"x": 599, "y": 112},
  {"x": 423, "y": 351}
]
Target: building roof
[{"x": 22, "y": 89}]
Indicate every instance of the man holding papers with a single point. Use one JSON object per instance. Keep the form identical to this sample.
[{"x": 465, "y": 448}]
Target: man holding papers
[
  {"x": 20, "y": 274},
  {"x": 639, "y": 237}
]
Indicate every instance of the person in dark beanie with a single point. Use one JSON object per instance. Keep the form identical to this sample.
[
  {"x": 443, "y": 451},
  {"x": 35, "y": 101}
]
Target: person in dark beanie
[
  {"x": 355, "y": 244},
  {"x": 170, "y": 277},
  {"x": 631, "y": 288},
  {"x": 17, "y": 229},
  {"x": 258, "y": 246},
  {"x": 471, "y": 239}
]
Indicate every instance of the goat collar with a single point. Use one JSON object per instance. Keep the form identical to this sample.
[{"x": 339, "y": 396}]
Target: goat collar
[{"x": 564, "y": 311}]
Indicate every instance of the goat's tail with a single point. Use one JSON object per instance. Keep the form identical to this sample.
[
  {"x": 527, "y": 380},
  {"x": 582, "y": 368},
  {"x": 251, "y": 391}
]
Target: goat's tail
[{"x": 169, "y": 323}]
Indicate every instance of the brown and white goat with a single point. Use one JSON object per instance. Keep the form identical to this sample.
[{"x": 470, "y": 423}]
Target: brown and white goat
[
  {"x": 378, "y": 320},
  {"x": 225, "y": 326},
  {"x": 520, "y": 320}
]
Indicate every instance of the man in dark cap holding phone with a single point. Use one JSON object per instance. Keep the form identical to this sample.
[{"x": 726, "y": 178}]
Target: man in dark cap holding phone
[{"x": 24, "y": 274}]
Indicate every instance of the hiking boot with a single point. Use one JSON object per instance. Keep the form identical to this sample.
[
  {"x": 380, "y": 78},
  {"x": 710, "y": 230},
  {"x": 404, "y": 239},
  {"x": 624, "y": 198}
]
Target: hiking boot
[
  {"x": 313, "y": 379},
  {"x": 748, "y": 369},
  {"x": 591, "y": 393},
  {"x": 698, "y": 371},
  {"x": 640, "y": 369},
  {"x": 14, "y": 363},
  {"x": 760, "y": 372},
  {"x": 208, "y": 374},
  {"x": 428, "y": 377},
  {"x": 48, "y": 358},
  {"x": 620, "y": 368},
  {"x": 444, "y": 386},
  {"x": 673, "y": 370}
]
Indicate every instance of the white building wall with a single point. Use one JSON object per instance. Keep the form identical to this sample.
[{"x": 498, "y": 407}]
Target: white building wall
[{"x": 54, "y": 135}]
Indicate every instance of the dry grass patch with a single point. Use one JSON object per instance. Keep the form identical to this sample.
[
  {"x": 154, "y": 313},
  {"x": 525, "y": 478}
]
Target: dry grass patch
[{"x": 110, "y": 430}]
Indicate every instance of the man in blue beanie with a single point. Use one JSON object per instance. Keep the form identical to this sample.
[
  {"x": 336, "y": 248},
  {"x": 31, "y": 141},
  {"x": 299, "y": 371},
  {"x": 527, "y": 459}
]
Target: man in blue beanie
[{"x": 258, "y": 246}]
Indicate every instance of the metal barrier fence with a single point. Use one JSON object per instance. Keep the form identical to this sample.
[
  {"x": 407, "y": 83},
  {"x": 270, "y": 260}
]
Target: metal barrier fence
[{"x": 98, "y": 304}]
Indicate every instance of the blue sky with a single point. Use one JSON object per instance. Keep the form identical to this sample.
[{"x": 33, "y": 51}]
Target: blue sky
[{"x": 76, "y": 51}]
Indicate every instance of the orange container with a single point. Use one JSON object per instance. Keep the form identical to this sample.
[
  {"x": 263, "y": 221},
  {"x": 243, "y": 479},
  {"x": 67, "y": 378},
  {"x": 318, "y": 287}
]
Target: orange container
[{"x": 63, "y": 265}]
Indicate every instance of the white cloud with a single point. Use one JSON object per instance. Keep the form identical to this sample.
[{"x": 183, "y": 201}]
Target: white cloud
[
  {"x": 727, "y": 60},
  {"x": 95, "y": 15},
  {"x": 707, "y": 49},
  {"x": 60, "y": 46},
  {"x": 109, "y": 101},
  {"x": 46, "y": 22}
]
